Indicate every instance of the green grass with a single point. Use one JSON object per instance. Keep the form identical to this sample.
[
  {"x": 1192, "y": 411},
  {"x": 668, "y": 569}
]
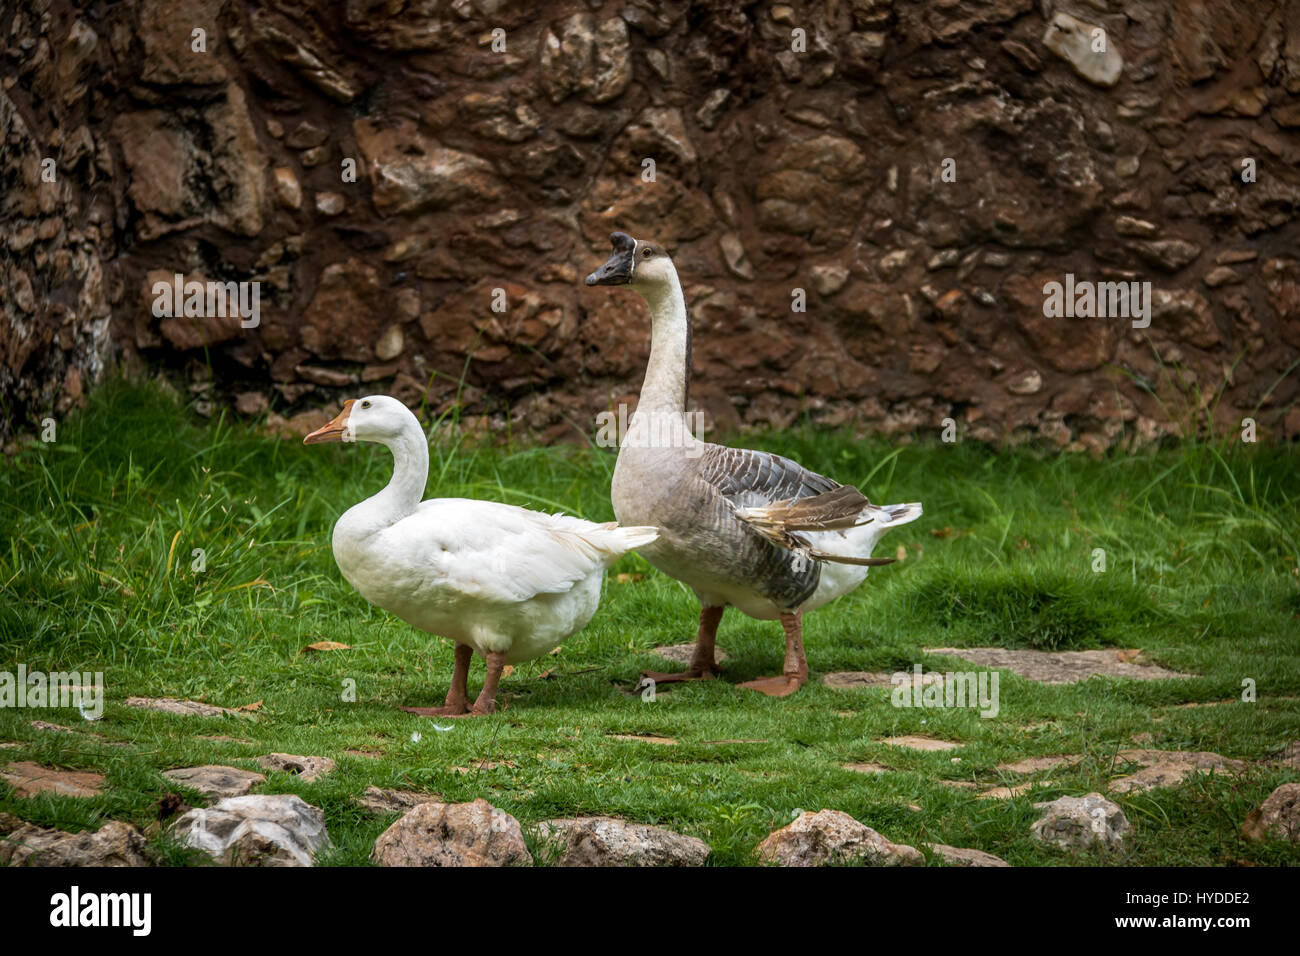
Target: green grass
[{"x": 1200, "y": 540}]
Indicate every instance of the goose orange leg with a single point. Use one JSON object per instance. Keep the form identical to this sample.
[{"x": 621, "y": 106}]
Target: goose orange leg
[
  {"x": 703, "y": 666},
  {"x": 457, "y": 695},
  {"x": 795, "y": 674},
  {"x": 487, "y": 697}
]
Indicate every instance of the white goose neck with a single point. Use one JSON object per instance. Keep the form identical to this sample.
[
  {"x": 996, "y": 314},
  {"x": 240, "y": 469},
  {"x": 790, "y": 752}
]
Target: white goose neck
[
  {"x": 405, "y": 490},
  {"x": 667, "y": 376}
]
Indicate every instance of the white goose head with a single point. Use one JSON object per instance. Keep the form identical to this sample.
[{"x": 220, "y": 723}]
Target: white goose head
[
  {"x": 638, "y": 263},
  {"x": 376, "y": 418}
]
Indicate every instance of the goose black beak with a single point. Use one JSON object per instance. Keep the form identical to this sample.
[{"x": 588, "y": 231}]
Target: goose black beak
[{"x": 617, "y": 269}]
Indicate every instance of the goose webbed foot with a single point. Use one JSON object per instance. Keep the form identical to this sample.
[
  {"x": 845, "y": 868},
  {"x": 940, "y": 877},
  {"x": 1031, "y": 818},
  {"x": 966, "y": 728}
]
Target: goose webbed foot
[
  {"x": 457, "y": 702},
  {"x": 796, "y": 665},
  {"x": 448, "y": 710},
  {"x": 486, "y": 703},
  {"x": 782, "y": 686},
  {"x": 703, "y": 666},
  {"x": 675, "y": 677}
]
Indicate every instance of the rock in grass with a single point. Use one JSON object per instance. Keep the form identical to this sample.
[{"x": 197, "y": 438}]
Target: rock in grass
[
  {"x": 608, "y": 841},
  {"x": 173, "y": 705},
  {"x": 214, "y": 780},
  {"x": 257, "y": 830},
  {"x": 1277, "y": 818},
  {"x": 834, "y": 838},
  {"x": 1076, "y": 823},
  {"x": 1059, "y": 667},
  {"x": 384, "y": 800},
  {"x": 453, "y": 834},
  {"x": 113, "y": 844},
  {"x": 1167, "y": 768},
  {"x": 964, "y": 856},
  {"x": 28, "y": 779},
  {"x": 309, "y": 769}
]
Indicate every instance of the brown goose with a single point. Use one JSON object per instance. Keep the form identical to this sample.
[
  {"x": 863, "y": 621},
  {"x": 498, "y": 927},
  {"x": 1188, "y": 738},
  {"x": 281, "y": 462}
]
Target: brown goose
[{"x": 743, "y": 529}]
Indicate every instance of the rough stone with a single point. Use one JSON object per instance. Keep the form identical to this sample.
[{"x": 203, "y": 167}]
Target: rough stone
[
  {"x": 213, "y": 780},
  {"x": 1077, "y": 43},
  {"x": 113, "y": 844},
  {"x": 387, "y": 800},
  {"x": 832, "y": 837},
  {"x": 963, "y": 856},
  {"x": 257, "y": 830},
  {"x": 1077, "y": 823},
  {"x": 307, "y": 769},
  {"x": 607, "y": 841},
  {"x": 453, "y": 834},
  {"x": 1277, "y": 818}
]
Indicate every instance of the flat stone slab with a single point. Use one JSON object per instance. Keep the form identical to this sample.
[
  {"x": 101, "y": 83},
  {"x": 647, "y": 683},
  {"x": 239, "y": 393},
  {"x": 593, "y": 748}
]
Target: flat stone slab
[
  {"x": 964, "y": 856},
  {"x": 87, "y": 735},
  {"x": 1168, "y": 768},
  {"x": 1037, "y": 764},
  {"x": 865, "y": 767},
  {"x": 215, "y": 780},
  {"x": 1010, "y": 793},
  {"x": 174, "y": 705},
  {"x": 855, "y": 680},
  {"x": 382, "y": 800},
  {"x": 28, "y": 779},
  {"x": 309, "y": 769},
  {"x": 646, "y": 739},
  {"x": 608, "y": 841},
  {"x": 912, "y": 742},
  {"x": 113, "y": 844},
  {"x": 1060, "y": 667},
  {"x": 681, "y": 653}
]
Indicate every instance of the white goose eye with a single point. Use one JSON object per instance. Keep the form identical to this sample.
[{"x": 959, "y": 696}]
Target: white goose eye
[{"x": 365, "y": 404}]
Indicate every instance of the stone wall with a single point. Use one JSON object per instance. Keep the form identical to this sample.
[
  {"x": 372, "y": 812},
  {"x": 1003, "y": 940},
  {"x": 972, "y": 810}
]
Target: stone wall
[{"x": 920, "y": 169}]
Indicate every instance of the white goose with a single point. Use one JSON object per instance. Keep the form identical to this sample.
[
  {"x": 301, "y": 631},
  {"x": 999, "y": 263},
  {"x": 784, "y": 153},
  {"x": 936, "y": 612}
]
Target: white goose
[{"x": 502, "y": 581}]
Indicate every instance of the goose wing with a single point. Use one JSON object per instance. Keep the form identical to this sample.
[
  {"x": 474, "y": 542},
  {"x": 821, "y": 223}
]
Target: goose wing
[
  {"x": 505, "y": 554},
  {"x": 756, "y": 478},
  {"x": 779, "y": 498}
]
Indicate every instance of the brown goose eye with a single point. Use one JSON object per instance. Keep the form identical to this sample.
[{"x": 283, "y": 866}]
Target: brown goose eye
[{"x": 645, "y": 254}]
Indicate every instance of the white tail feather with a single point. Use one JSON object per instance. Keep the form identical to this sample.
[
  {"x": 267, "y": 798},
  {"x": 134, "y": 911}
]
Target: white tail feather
[{"x": 891, "y": 516}]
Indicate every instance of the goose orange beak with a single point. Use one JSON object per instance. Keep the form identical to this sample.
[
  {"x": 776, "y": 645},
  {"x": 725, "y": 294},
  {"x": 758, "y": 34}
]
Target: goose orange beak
[{"x": 334, "y": 430}]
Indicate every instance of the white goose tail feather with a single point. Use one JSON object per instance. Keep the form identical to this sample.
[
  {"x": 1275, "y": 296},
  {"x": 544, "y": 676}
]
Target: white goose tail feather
[{"x": 891, "y": 516}]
